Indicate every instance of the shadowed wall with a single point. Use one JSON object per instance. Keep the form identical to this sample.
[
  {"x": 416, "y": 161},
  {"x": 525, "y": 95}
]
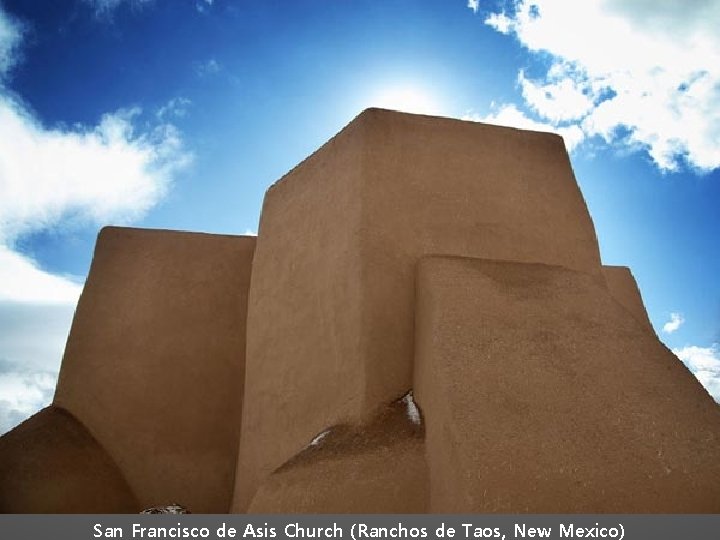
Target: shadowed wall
[
  {"x": 51, "y": 464},
  {"x": 154, "y": 364},
  {"x": 376, "y": 468}
]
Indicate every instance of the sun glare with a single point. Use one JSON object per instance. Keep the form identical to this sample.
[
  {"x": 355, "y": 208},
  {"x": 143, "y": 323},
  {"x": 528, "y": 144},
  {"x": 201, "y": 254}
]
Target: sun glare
[{"x": 411, "y": 99}]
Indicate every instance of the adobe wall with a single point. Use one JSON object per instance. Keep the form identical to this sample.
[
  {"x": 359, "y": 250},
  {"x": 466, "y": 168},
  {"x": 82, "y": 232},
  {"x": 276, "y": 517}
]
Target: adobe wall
[
  {"x": 555, "y": 396},
  {"x": 51, "y": 464},
  {"x": 377, "y": 468},
  {"x": 442, "y": 186},
  {"x": 331, "y": 304},
  {"x": 624, "y": 289},
  {"x": 154, "y": 364},
  {"x": 305, "y": 370}
]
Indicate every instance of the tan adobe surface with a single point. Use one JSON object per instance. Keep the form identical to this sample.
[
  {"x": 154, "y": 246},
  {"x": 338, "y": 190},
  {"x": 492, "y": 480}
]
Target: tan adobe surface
[
  {"x": 155, "y": 358},
  {"x": 542, "y": 394},
  {"x": 330, "y": 326},
  {"x": 624, "y": 289}
]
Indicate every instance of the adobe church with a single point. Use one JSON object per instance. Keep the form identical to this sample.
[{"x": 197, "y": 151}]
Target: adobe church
[{"x": 422, "y": 325}]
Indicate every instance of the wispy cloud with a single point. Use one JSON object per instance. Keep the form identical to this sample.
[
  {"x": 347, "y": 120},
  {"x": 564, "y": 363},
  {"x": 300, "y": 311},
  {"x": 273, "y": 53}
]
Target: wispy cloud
[
  {"x": 675, "y": 322},
  {"x": 474, "y": 5},
  {"x": 203, "y": 5},
  {"x": 10, "y": 37},
  {"x": 106, "y": 7},
  {"x": 704, "y": 362},
  {"x": 644, "y": 74},
  {"x": 53, "y": 176},
  {"x": 175, "y": 108},
  {"x": 207, "y": 67}
]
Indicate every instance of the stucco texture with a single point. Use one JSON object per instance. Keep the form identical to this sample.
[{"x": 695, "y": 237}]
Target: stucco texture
[
  {"x": 542, "y": 394},
  {"x": 154, "y": 364},
  {"x": 331, "y": 307}
]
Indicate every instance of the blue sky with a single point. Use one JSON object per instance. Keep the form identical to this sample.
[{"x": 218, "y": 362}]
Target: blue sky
[{"x": 180, "y": 113}]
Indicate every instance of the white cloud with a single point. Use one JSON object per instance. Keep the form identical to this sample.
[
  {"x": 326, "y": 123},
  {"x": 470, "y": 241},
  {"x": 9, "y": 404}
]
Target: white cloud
[
  {"x": 704, "y": 362},
  {"x": 675, "y": 322},
  {"x": 662, "y": 17},
  {"x": 108, "y": 172},
  {"x": 558, "y": 99},
  {"x": 510, "y": 115},
  {"x": 22, "y": 281},
  {"x": 500, "y": 22},
  {"x": 474, "y": 5},
  {"x": 650, "y": 69},
  {"x": 22, "y": 393}
]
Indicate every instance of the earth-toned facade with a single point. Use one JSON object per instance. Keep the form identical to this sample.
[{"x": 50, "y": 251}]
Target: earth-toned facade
[{"x": 423, "y": 324}]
